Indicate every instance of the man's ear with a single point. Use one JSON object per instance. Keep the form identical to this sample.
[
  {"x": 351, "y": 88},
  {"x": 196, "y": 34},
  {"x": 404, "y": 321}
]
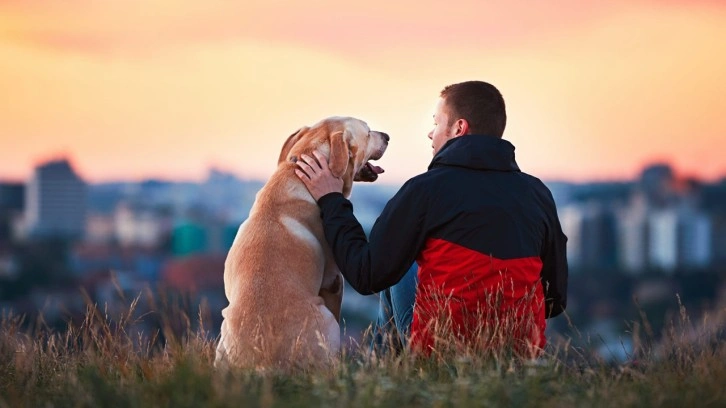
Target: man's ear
[
  {"x": 339, "y": 153},
  {"x": 461, "y": 127},
  {"x": 289, "y": 143}
]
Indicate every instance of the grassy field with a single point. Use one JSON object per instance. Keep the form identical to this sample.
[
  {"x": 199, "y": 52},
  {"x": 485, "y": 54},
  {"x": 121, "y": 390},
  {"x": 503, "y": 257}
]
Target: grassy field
[{"x": 102, "y": 362}]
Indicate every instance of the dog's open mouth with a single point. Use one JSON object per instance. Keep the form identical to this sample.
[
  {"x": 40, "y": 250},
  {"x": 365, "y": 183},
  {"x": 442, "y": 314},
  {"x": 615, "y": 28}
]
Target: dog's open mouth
[{"x": 369, "y": 172}]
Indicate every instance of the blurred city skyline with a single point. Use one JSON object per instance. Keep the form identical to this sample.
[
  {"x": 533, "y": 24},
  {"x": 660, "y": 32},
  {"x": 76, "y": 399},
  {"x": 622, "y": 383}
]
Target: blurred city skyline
[
  {"x": 167, "y": 89},
  {"x": 649, "y": 238}
]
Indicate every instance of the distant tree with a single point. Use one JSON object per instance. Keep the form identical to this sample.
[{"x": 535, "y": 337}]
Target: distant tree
[{"x": 42, "y": 263}]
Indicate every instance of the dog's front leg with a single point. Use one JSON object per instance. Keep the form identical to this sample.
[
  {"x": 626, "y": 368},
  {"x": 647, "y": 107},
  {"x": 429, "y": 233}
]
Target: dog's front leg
[{"x": 332, "y": 294}]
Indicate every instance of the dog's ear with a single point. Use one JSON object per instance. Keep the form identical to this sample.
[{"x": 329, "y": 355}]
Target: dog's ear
[
  {"x": 290, "y": 142},
  {"x": 339, "y": 153}
]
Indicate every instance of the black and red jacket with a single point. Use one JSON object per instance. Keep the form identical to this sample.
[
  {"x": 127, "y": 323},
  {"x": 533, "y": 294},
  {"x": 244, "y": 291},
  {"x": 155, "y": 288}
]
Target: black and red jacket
[{"x": 476, "y": 225}]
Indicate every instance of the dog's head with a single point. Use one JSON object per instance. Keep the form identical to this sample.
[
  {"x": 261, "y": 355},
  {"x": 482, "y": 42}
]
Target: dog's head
[{"x": 348, "y": 143}]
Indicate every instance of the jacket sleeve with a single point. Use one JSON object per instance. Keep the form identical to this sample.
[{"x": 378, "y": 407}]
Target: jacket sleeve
[
  {"x": 554, "y": 265},
  {"x": 395, "y": 239}
]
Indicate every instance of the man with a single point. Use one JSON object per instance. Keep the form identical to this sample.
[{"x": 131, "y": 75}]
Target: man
[{"x": 486, "y": 237}]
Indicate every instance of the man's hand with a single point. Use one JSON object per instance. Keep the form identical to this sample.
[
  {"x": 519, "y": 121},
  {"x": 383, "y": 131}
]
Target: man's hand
[{"x": 317, "y": 177}]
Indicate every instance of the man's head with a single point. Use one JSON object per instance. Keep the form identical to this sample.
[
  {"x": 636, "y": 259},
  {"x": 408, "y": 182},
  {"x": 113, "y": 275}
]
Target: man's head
[{"x": 468, "y": 108}]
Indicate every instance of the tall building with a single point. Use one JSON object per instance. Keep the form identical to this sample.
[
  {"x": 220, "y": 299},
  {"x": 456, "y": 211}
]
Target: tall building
[
  {"x": 680, "y": 238},
  {"x": 663, "y": 233},
  {"x": 572, "y": 218},
  {"x": 695, "y": 246},
  {"x": 592, "y": 236},
  {"x": 55, "y": 201},
  {"x": 633, "y": 237}
]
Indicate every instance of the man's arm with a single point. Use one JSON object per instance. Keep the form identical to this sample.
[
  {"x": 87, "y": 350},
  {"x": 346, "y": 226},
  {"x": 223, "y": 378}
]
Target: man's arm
[{"x": 395, "y": 240}]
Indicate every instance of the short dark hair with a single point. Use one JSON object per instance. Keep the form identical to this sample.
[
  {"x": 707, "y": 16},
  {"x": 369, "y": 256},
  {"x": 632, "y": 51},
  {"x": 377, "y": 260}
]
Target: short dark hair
[{"x": 480, "y": 103}]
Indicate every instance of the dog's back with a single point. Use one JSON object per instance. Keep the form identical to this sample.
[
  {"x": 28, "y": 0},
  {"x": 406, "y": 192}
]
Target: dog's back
[
  {"x": 273, "y": 275},
  {"x": 282, "y": 283}
]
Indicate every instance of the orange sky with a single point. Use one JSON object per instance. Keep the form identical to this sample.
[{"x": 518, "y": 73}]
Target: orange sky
[{"x": 166, "y": 88}]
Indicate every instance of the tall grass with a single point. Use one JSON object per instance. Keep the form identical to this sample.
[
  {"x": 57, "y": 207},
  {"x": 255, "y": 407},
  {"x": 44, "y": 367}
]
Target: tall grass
[{"x": 104, "y": 361}]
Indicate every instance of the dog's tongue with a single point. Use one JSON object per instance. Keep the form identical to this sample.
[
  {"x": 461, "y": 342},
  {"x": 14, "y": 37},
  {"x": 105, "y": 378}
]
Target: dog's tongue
[{"x": 374, "y": 168}]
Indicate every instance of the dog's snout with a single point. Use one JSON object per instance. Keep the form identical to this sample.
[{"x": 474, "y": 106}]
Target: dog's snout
[{"x": 385, "y": 136}]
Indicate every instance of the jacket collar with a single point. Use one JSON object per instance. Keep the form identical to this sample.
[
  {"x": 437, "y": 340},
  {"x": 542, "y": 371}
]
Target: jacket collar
[{"x": 478, "y": 152}]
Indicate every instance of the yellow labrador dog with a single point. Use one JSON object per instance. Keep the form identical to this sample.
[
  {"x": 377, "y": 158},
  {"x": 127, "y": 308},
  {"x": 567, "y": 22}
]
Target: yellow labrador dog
[{"x": 283, "y": 286}]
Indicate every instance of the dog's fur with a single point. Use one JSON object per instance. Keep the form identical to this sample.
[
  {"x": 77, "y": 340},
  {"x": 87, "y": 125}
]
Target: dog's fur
[{"x": 283, "y": 286}]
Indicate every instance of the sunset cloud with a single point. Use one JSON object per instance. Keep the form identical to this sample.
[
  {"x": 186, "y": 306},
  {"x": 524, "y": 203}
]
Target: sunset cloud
[{"x": 166, "y": 88}]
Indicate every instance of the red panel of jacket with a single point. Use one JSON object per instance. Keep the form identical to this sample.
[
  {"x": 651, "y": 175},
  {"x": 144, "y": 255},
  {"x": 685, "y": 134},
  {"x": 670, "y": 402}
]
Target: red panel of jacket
[{"x": 480, "y": 300}]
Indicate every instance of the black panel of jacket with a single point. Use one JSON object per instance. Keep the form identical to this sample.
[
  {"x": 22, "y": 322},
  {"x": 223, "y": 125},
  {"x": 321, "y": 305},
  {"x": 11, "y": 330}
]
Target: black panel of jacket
[{"x": 474, "y": 196}]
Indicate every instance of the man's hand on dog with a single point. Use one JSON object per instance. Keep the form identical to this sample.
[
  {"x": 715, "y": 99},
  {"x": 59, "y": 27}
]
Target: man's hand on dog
[{"x": 317, "y": 177}]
